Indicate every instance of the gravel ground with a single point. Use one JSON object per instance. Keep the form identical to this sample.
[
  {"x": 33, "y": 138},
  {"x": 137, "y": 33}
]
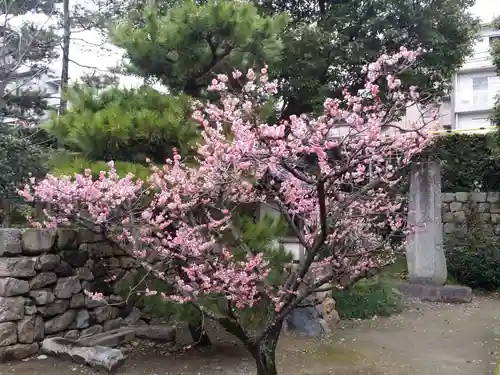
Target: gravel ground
[{"x": 426, "y": 339}]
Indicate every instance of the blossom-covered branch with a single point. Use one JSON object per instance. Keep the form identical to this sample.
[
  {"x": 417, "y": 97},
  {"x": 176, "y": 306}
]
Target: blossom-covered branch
[{"x": 331, "y": 174}]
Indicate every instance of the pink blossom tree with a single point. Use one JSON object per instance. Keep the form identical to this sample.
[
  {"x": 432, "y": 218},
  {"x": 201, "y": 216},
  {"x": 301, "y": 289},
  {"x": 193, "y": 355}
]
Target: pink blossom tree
[{"x": 329, "y": 176}]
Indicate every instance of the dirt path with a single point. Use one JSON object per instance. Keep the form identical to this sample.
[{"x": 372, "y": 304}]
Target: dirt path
[{"x": 427, "y": 339}]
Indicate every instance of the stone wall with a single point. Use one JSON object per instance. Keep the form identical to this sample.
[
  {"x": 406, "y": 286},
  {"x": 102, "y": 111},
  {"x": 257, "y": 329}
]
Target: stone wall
[
  {"x": 458, "y": 207},
  {"x": 43, "y": 276}
]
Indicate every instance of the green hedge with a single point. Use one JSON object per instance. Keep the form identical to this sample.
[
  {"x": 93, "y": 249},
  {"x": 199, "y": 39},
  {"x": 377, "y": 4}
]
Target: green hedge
[{"x": 468, "y": 162}]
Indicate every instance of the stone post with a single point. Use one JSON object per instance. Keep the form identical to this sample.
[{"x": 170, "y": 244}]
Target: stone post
[{"x": 424, "y": 252}]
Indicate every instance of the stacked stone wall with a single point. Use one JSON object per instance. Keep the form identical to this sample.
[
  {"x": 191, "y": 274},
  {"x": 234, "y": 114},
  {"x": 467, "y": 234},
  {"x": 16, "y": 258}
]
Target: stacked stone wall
[
  {"x": 43, "y": 278},
  {"x": 461, "y": 207}
]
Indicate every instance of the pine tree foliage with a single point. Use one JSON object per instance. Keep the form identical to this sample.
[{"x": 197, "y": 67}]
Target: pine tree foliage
[
  {"x": 127, "y": 125},
  {"x": 187, "y": 44}
]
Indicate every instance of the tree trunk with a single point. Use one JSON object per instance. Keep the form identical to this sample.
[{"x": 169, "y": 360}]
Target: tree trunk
[
  {"x": 264, "y": 353},
  {"x": 198, "y": 333},
  {"x": 65, "y": 57}
]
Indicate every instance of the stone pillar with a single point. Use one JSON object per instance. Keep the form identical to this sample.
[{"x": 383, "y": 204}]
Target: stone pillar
[{"x": 424, "y": 252}]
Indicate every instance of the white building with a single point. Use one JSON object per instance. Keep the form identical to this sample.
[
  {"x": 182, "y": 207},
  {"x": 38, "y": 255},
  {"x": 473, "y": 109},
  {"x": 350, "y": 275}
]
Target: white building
[
  {"x": 47, "y": 84},
  {"x": 475, "y": 86}
]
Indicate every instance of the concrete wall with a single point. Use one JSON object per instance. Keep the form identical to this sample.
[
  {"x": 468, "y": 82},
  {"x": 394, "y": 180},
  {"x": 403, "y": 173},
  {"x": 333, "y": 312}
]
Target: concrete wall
[
  {"x": 43, "y": 275},
  {"x": 457, "y": 207}
]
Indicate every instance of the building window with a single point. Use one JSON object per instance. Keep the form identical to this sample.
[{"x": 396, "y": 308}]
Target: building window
[
  {"x": 479, "y": 83},
  {"x": 480, "y": 90}
]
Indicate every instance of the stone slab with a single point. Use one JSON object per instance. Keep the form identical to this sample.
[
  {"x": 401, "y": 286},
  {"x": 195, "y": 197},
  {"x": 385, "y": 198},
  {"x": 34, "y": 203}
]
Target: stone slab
[
  {"x": 161, "y": 333},
  {"x": 424, "y": 251},
  {"x": 17, "y": 352},
  {"x": 110, "y": 338},
  {"x": 433, "y": 293},
  {"x": 95, "y": 356}
]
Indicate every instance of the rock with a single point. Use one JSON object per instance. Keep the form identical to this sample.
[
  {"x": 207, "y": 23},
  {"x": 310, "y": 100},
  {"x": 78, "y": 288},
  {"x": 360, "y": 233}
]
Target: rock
[
  {"x": 72, "y": 335},
  {"x": 60, "y": 322},
  {"x": 159, "y": 333},
  {"x": 39, "y": 328},
  {"x": 66, "y": 239},
  {"x": 47, "y": 262},
  {"x": 113, "y": 263},
  {"x": 17, "y": 352},
  {"x": 455, "y": 206},
  {"x": 118, "y": 251},
  {"x": 67, "y": 286},
  {"x": 330, "y": 314},
  {"x": 74, "y": 258},
  {"x": 42, "y": 280},
  {"x": 93, "y": 330},
  {"x": 111, "y": 338},
  {"x": 306, "y": 320},
  {"x": 478, "y": 197},
  {"x": 26, "y": 329},
  {"x": 63, "y": 269},
  {"x": 8, "y": 333},
  {"x": 91, "y": 303},
  {"x": 88, "y": 236},
  {"x": 82, "y": 319},
  {"x": 11, "y": 309},
  {"x": 42, "y": 296},
  {"x": 17, "y": 267},
  {"x": 30, "y": 310},
  {"x": 55, "y": 308},
  {"x": 102, "y": 313},
  {"x": 100, "y": 268},
  {"x": 77, "y": 301},
  {"x": 98, "y": 250},
  {"x": 133, "y": 317},
  {"x": 113, "y": 324},
  {"x": 10, "y": 242},
  {"x": 84, "y": 273},
  {"x": 36, "y": 241},
  {"x": 10, "y": 287},
  {"x": 128, "y": 262},
  {"x": 493, "y": 197},
  {"x": 96, "y": 356}
]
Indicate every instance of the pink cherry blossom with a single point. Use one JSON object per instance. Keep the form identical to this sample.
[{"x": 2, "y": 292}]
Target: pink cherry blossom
[{"x": 332, "y": 172}]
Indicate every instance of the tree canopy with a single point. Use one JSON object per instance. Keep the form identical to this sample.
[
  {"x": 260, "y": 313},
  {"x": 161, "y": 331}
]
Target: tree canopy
[{"x": 313, "y": 47}]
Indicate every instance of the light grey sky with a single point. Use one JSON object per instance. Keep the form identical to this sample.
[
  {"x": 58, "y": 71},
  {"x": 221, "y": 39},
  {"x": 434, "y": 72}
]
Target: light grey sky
[{"x": 97, "y": 57}]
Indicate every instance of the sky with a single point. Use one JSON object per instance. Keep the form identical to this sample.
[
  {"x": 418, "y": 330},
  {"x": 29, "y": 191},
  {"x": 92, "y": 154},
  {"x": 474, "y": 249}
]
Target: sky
[{"x": 90, "y": 57}]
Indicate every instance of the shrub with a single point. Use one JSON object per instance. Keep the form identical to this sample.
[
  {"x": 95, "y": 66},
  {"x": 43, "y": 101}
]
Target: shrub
[
  {"x": 368, "y": 298},
  {"x": 475, "y": 259}
]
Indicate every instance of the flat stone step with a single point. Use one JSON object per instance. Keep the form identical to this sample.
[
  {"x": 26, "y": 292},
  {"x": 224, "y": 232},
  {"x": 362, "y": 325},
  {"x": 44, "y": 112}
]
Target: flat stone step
[
  {"x": 100, "y": 357},
  {"x": 111, "y": 339},
  {"x": 435, "y": 293}
]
